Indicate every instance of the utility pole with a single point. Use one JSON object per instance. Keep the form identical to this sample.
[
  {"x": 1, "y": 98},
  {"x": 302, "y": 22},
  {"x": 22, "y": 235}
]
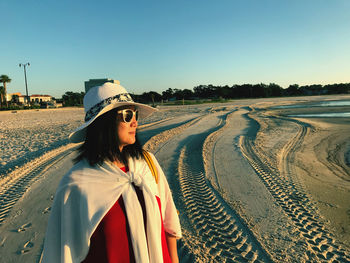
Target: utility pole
[{"x": 25, "y": 79}]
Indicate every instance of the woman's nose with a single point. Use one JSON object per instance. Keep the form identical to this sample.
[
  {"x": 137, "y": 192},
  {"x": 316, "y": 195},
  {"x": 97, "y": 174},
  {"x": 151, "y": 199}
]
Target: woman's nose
[{"x": 133, "y": 121}]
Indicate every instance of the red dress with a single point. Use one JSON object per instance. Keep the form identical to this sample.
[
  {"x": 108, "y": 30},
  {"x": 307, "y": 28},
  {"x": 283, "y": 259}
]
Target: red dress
[{"x": 111, "y": 243}]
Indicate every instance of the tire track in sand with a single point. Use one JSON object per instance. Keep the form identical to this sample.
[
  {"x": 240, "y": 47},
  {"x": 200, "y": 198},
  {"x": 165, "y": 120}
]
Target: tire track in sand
[
  {"x": 14, "y": 185},
  {"x": 223, "y": 235},
  {"x": 155, "y": 144},
  {"x": 320, "y": 244}
]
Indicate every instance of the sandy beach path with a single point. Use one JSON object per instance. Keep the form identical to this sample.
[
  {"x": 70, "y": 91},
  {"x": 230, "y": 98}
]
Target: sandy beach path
[
  {"x": 322, "y": 167},
  {"x": 213, "y": 230},
  {"x": 311, "y": 237},
  {"x": 29, "y": 200},
  {"x": 236, "y": 180},
  {"x": 17, "y": 183},
  {"x": 251, "y": 184},
  {"x": 147, "y": 131}
]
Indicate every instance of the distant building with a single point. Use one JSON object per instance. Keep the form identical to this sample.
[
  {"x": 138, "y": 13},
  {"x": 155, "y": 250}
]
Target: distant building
[
  {"x": 40, "y": 98},
  {"x": 98, "y": 82},
  {"x": 21, "y": 99},
  {"x": 9, "y": 96}
]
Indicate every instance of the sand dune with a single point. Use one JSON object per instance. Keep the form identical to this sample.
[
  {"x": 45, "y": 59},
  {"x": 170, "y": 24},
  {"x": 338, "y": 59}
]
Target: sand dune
[{"x": 251, "y": 183}]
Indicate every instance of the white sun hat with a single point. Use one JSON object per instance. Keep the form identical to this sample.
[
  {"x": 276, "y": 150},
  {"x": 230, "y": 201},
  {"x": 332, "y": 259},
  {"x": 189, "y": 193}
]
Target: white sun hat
[{"x": 101, "y": 99}]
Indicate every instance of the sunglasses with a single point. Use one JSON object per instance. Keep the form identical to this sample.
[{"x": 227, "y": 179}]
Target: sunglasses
[{"x": 128, "y": 114}]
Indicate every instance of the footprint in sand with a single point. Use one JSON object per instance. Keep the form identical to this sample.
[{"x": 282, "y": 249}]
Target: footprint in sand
[
  {"x": 26, "y": 248},
  {"x": 19, "y": 212},
  {"x": 24, "y": 227},
  {"x": 46, "y": 210},
  {"x": 2, "y": 241}
]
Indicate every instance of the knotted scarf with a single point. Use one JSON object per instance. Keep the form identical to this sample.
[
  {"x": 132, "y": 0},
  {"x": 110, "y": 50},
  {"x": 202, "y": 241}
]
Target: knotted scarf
[{"x": 87, "y": 193}]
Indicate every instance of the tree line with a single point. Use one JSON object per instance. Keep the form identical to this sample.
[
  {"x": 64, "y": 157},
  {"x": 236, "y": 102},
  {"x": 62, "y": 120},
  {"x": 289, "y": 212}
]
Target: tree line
[
  {"x": 205, "y": 92},
  {"x": 261, "y": 90}
]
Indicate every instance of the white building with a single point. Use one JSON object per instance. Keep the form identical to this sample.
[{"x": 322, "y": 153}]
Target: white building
[
  {"x": 40, "y": 98},
  {"x": 36, "y": 98}
]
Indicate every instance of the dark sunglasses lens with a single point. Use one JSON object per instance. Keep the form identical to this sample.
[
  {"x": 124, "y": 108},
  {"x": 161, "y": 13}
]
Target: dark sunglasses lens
[
  {"x": 136, "y": 115},
  {"x": 128, "y": 116}
]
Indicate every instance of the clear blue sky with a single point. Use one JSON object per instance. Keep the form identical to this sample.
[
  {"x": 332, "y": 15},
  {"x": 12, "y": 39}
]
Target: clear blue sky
[{"x": 155, "y": 45}]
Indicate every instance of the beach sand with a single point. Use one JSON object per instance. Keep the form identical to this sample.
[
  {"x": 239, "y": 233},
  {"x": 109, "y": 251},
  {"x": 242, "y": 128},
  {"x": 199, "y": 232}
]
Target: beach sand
[
  {"x": 251, "y": 183},
  {"x": 321, "y": 165}
]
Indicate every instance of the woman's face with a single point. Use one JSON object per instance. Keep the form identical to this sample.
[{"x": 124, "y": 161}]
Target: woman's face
[{"x": 126, "y": 130}]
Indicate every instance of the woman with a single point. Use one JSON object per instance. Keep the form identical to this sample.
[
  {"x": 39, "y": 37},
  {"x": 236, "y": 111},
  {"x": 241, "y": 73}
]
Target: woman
[{"x": 110, "y": 207}]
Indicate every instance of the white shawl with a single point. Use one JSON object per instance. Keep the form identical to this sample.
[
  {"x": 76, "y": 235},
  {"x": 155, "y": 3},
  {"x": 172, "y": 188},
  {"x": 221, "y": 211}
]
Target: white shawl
[{"x": 86, "y": 194}]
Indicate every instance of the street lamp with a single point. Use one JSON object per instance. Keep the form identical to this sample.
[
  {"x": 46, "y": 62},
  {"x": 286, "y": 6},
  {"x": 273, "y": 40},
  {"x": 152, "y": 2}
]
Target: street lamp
[{"x": 25, "y": 78}]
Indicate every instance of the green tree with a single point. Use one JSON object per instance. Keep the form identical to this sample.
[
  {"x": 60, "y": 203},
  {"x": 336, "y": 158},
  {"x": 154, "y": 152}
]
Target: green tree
[
  {"x": 187, "y": 94},
  {"x": 293, "y": 90},
  {"x": 2, "y": 91},
  {"x": 73, "y": 98},
  {"x": 168, "y": 94},
  {"x": 274, "y": 90},
  {"x": 178, "y": 94},
  {"x": 5, "y": 79},
  {"x": 15, "y": 99},
  {"x": 148, "y": 97}
]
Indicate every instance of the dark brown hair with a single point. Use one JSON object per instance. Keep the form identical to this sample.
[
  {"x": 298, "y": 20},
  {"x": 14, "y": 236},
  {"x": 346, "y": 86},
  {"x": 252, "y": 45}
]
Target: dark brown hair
[{"x": 102, "y": 142}]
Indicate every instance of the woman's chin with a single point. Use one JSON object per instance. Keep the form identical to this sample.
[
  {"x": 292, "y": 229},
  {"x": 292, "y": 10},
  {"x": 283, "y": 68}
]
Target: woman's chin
[{"x": 130, "y": 142}]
